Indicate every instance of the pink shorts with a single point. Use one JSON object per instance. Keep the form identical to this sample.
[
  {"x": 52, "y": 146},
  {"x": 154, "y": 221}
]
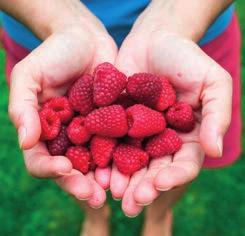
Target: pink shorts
[{"x": 225, "y": 50}]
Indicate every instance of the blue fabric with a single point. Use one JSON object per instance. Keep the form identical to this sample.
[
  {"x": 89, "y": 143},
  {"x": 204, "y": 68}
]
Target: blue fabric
[{"x": 117, "y": 16}]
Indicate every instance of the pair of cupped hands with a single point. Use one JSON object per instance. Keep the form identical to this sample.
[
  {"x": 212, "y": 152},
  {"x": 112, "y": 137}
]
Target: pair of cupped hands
[{"x": 74, "y": 50}]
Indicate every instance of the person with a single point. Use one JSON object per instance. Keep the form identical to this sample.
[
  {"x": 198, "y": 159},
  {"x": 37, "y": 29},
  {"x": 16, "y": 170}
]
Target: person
[{"x": 195, "y": 43}]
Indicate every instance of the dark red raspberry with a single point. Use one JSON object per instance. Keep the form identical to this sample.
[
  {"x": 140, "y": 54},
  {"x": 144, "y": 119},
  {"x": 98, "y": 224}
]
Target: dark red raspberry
[
  {"x": 108, "y": 121},
  {"x": 80, "y": 158},
  {"x": 50, "y": 124},
  {"x": 166, "y": 143},
  {"x": 144, "y": 121},
  {"x": 81, "y": 95},
  {"x": 167, "y": 96},
  {"x": 129, "y": 159},
  {"x": 62, "y": 107},
  {"x": 108, "y": 84},
  {"x": 102, "y": 149},
  {"x": 59, "y": 145},
  {"x": 77, "y": 132},
  {"x": 180, "y": 116},
  {"x": 144, "y": 88}
]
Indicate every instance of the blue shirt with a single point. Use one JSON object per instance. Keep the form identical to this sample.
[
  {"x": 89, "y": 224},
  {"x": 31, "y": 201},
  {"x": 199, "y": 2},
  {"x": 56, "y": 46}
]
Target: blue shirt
[{"x": 117, "y": 16}]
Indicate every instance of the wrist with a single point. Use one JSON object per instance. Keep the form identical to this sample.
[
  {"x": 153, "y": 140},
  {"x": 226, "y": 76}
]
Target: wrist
[
  {"x": 187, "y": 18},
  {"x": 47, "y": 17}
]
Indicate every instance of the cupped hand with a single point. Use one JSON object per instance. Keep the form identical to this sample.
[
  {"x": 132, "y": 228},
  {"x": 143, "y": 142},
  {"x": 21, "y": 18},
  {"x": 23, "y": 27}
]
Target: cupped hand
[
  {"x": 199, "y": 81},
  {"x": 47, "y": 72}
]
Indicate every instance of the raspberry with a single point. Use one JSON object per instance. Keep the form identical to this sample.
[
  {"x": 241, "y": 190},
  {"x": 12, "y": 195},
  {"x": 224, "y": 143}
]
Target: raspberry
[
  {"x": 125, "y": 101},
  {"x": 80, "y": 158},
  {"x": 59, "y": 145},
  {"x": 166, "y": 143},
  {"x": 62, "y": 107},
  {"x": 144, "y": 88},
  {"x": 130, "y": 159},
  {"x": 167, "y": 96},
  {"x": 181, "y": 117},
  {"x": 50, "y": 124},
  {"x": 80, "y": 95},
  {"x": 77, "y": 132},
  {"x": 102, "y": 149},
  {"x": 144, "y": 122},
  {"x": 136, "y": 142},
  {"x": 108, "y": 84},
  {"x": 108, "y": 121}
]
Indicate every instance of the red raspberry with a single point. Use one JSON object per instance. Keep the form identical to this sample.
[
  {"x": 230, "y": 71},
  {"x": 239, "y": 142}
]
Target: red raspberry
[
  {"x": 108, "y": 84},
  {"x": 166, "y": 143},
  {"x": 59, "y": 145},
  {"x": 144, "y": 122},
  {"x": 167, "y": 96},
  {"x": 130, "y": 159},
  {"x": 50, "y": 124},
  {"x": 81, "y": 95},
  {"x": 180, "y": 116},
  {"x": 102, "y": 149},
  {"x": 80, "y": 158},
  {"x": 136, "y": 142},
  {"x": 77, "y": 132},
  {"x": 62, "y": 107},
  {"x": 125, "y": 101},
  {"x": 108, "y": 121},
  {"x": 144, "y": 88}
]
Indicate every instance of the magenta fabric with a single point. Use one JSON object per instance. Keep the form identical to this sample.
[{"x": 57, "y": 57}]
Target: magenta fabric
[{"x": 225, "y": 50}]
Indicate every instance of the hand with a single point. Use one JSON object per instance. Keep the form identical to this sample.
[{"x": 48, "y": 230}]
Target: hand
[
  {"x": 200, "y": 82},
  {"x": 47, "y": 72}
]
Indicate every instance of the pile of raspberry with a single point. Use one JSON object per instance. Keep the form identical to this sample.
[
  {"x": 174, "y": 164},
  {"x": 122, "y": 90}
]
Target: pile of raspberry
[{"x": 108, "y": 118}]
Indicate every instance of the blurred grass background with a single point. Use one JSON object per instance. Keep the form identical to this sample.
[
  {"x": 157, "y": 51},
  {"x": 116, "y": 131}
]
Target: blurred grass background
[{"x": 214, "y": 204}]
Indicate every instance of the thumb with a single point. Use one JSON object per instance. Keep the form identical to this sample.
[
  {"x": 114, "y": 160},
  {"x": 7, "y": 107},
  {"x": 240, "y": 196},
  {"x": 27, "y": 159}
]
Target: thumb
[
  {"x": 216, "y": 112},
  {"x": 126, "y": 60},
  {"x": 23, "y": 105}
]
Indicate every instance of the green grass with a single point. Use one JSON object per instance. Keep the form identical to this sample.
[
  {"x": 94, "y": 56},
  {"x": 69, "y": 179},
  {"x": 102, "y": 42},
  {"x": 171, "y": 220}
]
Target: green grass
[{"x": 214, "y": 204}]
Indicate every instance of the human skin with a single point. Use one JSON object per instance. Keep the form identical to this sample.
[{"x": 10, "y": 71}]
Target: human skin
[
  {"x": 74, "y": 43},
  {"x": 163, "y": 42}
]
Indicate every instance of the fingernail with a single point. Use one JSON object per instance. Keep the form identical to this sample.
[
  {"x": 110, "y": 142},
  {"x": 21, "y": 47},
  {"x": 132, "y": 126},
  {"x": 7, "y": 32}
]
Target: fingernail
[
  {"x": 97, "y": 207},
  {"x": 63, "y": 174},
  {"x": 22, "y": 135},
  {"x": 82, "y": 199},
  {"x": 163, "y": 189},
  {"x": 220, "y": 145},
  {"x": 116, "y": 199},
  {"x": 144, "y": 204},
  {"x": 131, "y": 216}
]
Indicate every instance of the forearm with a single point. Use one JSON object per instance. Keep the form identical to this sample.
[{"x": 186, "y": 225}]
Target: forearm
[
  {"x": 189, "y": 18},
  {"x": 46, "y": 16}
]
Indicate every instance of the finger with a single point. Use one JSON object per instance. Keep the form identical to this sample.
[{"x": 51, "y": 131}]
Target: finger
[
  {"x": 103, "y": 176},
  {"x": 126, "y": 61},
  {"x": 76, "y": 184},
  {"x": 145, "y": 192},
  {"x": 129, "y": 205},
  {"x": 184, "y": 168},
  {"x": 40, "y": 164},
  {"x": 118, "y": 183},
  {"x": 98, "y": 198},
  {"x": 106, "y": 51},
  {"x": 216, "y": 110},
  {"x": 23, "y": 106}
]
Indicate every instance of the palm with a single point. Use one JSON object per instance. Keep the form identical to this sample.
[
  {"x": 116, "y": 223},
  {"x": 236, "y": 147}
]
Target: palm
[
  {"x": 47, "y": 72},
  {"x": 191, "y": 73}
]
